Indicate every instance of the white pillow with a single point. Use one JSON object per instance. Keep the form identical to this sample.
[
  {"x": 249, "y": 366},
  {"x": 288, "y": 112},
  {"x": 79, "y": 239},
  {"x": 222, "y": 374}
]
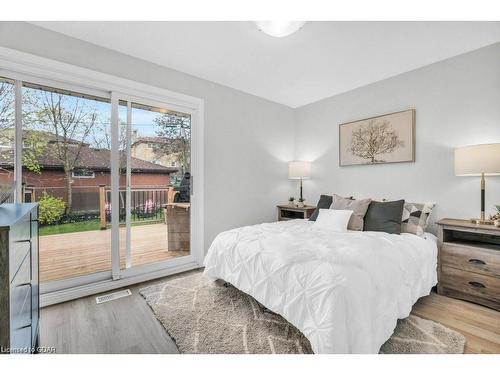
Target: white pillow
[{"x": 333, "y": 220}]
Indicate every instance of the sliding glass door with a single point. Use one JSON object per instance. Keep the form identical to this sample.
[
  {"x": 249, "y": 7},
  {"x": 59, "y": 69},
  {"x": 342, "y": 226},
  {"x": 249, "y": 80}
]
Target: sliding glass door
[
  {"x": 155, "y": 184},
  {"x": 111, "y": 173},
  {"x": 65, "y": 159}
]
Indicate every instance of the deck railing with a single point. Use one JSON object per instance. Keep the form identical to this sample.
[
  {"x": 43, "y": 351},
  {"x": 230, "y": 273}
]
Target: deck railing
[{"x": 145, "y": 204}]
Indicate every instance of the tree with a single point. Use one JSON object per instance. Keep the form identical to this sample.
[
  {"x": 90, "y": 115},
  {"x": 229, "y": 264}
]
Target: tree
[
  {"x": 7, "y": 124},
  {"x": 67, "y": 121},
  {"x": 6, "y": 105},
  {"x": 6, "y": 112},
  {"x": 376, "y": 138},
  {"x": 175, "y": 130}
]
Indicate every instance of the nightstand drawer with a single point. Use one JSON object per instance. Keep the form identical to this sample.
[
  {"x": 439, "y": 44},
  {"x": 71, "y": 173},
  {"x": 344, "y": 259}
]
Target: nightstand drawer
[
  {"x": 471, "y": 283},
  {"x": 473, "y": 259}
]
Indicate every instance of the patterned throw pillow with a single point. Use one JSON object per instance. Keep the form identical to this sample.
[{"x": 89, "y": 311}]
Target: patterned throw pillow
[{"x": 415, "y": 217}]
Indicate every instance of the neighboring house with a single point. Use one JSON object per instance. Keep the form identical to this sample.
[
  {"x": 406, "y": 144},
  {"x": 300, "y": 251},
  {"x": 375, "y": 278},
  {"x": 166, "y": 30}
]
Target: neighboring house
[
  {"x": 92, "y": 169},
  {"x": 147, "y": 148}
]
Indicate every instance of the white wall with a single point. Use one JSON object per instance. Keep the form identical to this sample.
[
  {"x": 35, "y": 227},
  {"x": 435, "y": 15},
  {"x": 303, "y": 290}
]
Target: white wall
[
  {"x": 457, "y": 103},
  {"x": 248, "y": 140}
]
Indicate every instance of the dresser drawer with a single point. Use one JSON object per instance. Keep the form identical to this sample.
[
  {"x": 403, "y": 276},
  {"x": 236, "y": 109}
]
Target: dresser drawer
[
  {"x": 23, "y": 274},
  {"x": 20, "y": 296},
  {"x": 20, "y": 341},
  {"x": 471, "y": 283},
  {"x": 484, "y": 261},
  {"x": 17, "y": 253},
  {"x": 21, "y": 231},
  {"x": 20, "y": 306}
]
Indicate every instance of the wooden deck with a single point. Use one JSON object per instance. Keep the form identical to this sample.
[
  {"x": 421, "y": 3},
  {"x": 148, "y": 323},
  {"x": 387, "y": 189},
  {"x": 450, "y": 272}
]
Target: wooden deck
[{"x": 76, "y": 254}]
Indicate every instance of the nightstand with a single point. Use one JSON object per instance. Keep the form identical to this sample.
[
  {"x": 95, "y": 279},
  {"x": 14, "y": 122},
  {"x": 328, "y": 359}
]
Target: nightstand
[
  {"x": 469, "y": 262},
  {"x": 288, "y": 212}
]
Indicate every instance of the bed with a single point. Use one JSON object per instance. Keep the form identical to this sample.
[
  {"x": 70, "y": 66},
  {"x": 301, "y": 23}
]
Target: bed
[{"x": 344, "y": 291}]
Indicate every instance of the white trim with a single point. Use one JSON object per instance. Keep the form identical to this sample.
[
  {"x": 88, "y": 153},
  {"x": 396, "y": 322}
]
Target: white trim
[
  {"x": 48, "y": 299},
  {"x": 34, "y": 69},
  {"x": 27, "y": 64},
  {"x": 57, "y": 285},
  {"x": 18, "y": 141},
  {"x": 198, "y": 183},
  {"x": 128, "y": 209},
  {"x": 115, "y": 186}
]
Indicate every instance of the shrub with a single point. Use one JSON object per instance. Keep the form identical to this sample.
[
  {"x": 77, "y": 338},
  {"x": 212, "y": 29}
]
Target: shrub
[{"x": 50, "y": 209}]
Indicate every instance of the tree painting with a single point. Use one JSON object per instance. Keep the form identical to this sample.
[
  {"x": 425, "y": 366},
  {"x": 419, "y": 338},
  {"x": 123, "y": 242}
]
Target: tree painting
[{"x": 373, "y": 140}]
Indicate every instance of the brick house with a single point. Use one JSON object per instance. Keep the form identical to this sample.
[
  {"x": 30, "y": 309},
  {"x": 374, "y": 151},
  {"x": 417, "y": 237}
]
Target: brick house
[
  {"x": 145, "y": 148},
  {"x": 92, "y": 169}
]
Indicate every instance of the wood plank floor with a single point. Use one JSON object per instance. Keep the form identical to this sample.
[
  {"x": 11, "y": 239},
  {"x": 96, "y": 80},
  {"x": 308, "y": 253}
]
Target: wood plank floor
[
  {"x": 128, "y": 325},
  {"x": 480, "y": 325},
  {"x": 69, "y": 255}
]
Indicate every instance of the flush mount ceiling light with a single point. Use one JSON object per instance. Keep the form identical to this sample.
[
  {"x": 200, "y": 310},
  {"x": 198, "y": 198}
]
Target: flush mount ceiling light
[{"x": 279, "y": 29}]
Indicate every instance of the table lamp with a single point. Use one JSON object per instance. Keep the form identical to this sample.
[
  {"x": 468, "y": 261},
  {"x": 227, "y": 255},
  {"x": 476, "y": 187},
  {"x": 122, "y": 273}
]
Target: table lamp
[
  {"x": 299, "y": 170},
  {"x": 478, "y": 160}
]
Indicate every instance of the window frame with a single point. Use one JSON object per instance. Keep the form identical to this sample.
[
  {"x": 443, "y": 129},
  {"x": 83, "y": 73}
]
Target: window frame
[
  {"x": 24, "y": 67},
  {"x": 73, "y": 175}
]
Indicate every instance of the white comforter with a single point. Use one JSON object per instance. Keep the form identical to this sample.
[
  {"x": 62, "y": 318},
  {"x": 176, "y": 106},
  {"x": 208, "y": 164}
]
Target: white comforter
[{"x": 344, "y": 291}]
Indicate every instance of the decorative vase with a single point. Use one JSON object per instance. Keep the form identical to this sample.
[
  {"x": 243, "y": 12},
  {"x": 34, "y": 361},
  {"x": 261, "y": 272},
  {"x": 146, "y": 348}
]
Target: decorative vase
[{"x": 300, "y": 204}]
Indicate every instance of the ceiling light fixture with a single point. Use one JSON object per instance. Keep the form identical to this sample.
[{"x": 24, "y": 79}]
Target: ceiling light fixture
[{"x": 279, "y": 29}]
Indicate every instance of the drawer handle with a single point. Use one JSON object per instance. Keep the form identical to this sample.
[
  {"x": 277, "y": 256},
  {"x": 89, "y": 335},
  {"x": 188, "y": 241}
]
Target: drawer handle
[
  {"x": 476, "y": 261},
  {"x": 476, "y": 284}
]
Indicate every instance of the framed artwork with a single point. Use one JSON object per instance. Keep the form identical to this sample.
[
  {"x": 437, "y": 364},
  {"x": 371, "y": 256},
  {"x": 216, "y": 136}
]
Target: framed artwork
[{"x": 383, "y": 139}]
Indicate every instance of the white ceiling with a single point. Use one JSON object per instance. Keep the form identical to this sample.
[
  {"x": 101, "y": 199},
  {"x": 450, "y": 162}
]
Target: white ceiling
[{"x": 320, "y": 60}]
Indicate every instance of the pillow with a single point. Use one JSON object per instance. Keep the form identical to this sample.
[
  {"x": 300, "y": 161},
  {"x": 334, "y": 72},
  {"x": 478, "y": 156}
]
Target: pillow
[
  {"x": 415, "y": 217},
  {"x": 358, "y": 207},
  {"x": 325, "y": 201},
  {"x": 384, "y": 217},
  {"x": 333, "y": 220}
]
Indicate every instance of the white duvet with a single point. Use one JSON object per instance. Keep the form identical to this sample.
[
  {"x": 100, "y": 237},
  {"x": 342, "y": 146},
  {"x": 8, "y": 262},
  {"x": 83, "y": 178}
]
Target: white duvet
[{"x": 344, "y": 291}]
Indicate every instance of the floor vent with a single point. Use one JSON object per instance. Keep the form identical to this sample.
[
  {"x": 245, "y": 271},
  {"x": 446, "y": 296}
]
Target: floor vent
[{"x": 113, "y": 296}]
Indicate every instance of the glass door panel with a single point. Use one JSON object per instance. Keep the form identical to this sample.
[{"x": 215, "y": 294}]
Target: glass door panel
[
  {"x": 66, "y": 169},
  {"x": 158, "y": 166},
  {"x": 7, "y": 133}
]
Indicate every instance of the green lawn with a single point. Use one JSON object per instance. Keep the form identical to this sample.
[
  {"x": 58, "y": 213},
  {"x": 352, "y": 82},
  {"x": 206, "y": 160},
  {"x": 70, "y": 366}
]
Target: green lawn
[
  {"x": 69, "y": 228},
  {"x": 84, "y": 226}
]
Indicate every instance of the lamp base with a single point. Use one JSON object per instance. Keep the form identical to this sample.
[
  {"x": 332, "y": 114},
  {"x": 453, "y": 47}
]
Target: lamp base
[{"x": 482, "y": 221}]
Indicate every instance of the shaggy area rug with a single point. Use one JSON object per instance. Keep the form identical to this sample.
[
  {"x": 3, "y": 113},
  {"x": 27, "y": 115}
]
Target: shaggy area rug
[{"x": 215, "y": 318}]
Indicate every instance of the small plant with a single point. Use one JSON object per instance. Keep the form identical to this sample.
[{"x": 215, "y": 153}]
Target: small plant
[
  {"x": 291, "y": 199},
  {"x": 51, "y": 209}
]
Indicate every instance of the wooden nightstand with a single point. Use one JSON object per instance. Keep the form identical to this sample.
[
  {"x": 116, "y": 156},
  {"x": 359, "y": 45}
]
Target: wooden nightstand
[
  {"x": 287, "y": 212},
  {"x": 469, "y": 262}
]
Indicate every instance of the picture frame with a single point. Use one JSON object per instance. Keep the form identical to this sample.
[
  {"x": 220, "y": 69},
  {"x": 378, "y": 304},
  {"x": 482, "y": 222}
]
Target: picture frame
[{"x": 388, "y": 138}]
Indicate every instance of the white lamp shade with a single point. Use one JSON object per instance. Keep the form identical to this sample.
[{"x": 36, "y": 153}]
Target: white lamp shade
[
  {"x": 477, "y": 159},
  {"x": 299, "y": 170}
]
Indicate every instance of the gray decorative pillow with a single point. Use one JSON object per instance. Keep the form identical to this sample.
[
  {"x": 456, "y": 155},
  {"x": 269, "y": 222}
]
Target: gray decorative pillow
[
  {"x": 384, "y": 217},
  {"x": 415, "y": 217},
  {"x": 357, "y": 206}
]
